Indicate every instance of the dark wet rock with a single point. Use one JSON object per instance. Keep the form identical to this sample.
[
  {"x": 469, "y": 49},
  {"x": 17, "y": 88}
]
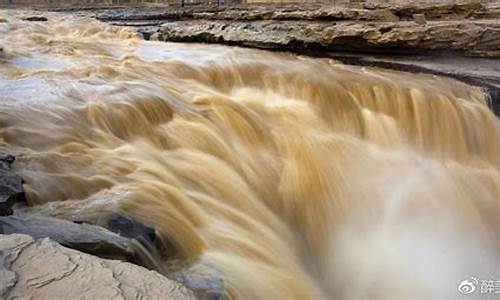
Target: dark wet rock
[
  {"x": 108, "y": 235},
  {"x": 204, "y": 287},
  {"x": 494, "y": 95},
  {"x": 36, "y": 19},
  {"x": 42, "y": 269},
  {"x": 11, "y": 186},
  {"x": 83, "y": 237},
  {"x": 150, "y": 250},
  {"x": 126, "y": 226},
  {"x": 121, "y": 224}
]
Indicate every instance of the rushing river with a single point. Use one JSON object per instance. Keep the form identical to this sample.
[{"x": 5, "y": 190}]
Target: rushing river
[{"x": 289, "y": 177}]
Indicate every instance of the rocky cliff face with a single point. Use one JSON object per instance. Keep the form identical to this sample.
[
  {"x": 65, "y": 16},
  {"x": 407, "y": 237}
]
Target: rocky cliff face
[
  {"x": 470, "y": 38},
  {"x": 469, "y": 28}
]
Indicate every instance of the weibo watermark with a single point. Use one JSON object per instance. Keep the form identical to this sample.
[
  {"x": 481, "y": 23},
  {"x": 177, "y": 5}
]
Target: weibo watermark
[{"x": 479, "y": 286}]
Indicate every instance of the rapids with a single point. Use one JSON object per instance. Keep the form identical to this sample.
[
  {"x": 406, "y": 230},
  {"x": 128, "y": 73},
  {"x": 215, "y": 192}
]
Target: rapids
[{"x": 290, "y": 177}]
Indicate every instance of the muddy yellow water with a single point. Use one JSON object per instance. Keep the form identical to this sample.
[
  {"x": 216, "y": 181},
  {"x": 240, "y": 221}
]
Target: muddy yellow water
[{"x": 289, "y": 177}]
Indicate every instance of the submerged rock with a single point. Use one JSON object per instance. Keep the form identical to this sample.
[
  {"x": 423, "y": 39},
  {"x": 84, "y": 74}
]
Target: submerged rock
[
  {"x": 208, "y": 287},
  {"x": 127, "y": 227},
  {"x": 11, "y": 185},
  {"x": 42, "y": 269},
  {"x": 83, "y": 237}
]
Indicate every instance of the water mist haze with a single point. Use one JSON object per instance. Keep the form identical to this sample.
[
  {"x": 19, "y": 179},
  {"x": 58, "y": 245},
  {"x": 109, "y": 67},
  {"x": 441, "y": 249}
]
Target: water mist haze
[{"x": 290, "y": 177}]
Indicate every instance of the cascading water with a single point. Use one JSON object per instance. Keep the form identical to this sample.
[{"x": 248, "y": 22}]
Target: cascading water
[{"x": 290, "y": 177}]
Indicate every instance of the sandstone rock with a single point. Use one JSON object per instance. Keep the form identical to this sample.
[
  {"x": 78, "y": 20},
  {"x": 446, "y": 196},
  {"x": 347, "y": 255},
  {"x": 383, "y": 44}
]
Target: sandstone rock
[
  {"x": 462, "y": 37},
  {"x": 435, "y": 10},
  {"x": 43, "y": 269},
  {"x": 464, "y": 27},
  {"x": 385, "y": 15},
  {"x": 419, "y": 19},
  {"x": 11, "y": 185},
  {"x": 207, "y": 287},
  {"x": 83, "y": 237},
  {"x": 388, "y": 11}
]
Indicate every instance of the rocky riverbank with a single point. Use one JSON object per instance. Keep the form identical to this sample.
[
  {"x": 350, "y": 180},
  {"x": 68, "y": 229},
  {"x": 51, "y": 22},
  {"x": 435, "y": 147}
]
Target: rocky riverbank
[
  {"x": 470, "y": 28},
  {"x": 456, "y": 39},
  {"x": 41, "y": 256}
]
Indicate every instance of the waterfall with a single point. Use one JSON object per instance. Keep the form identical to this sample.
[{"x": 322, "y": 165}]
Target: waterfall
[{"x": 290, "y": 177}]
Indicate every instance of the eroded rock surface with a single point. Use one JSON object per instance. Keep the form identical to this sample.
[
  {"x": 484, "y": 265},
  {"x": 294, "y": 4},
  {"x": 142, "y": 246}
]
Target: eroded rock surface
[
  {"x": 83, "y": 237},
  {"x": 43, "y": 269},
  {"x": 468, "y": 27},
  {"x": 468, "y": 37}
]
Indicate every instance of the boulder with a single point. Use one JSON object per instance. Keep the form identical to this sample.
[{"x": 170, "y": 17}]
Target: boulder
[
  {"x": 11, "y": 185},
  {"x": 127, "y": 227},
  {"x": 83, "y": 237},
  {"x": 42, "y": 269},
  {"x": 208, "y": 287}
]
